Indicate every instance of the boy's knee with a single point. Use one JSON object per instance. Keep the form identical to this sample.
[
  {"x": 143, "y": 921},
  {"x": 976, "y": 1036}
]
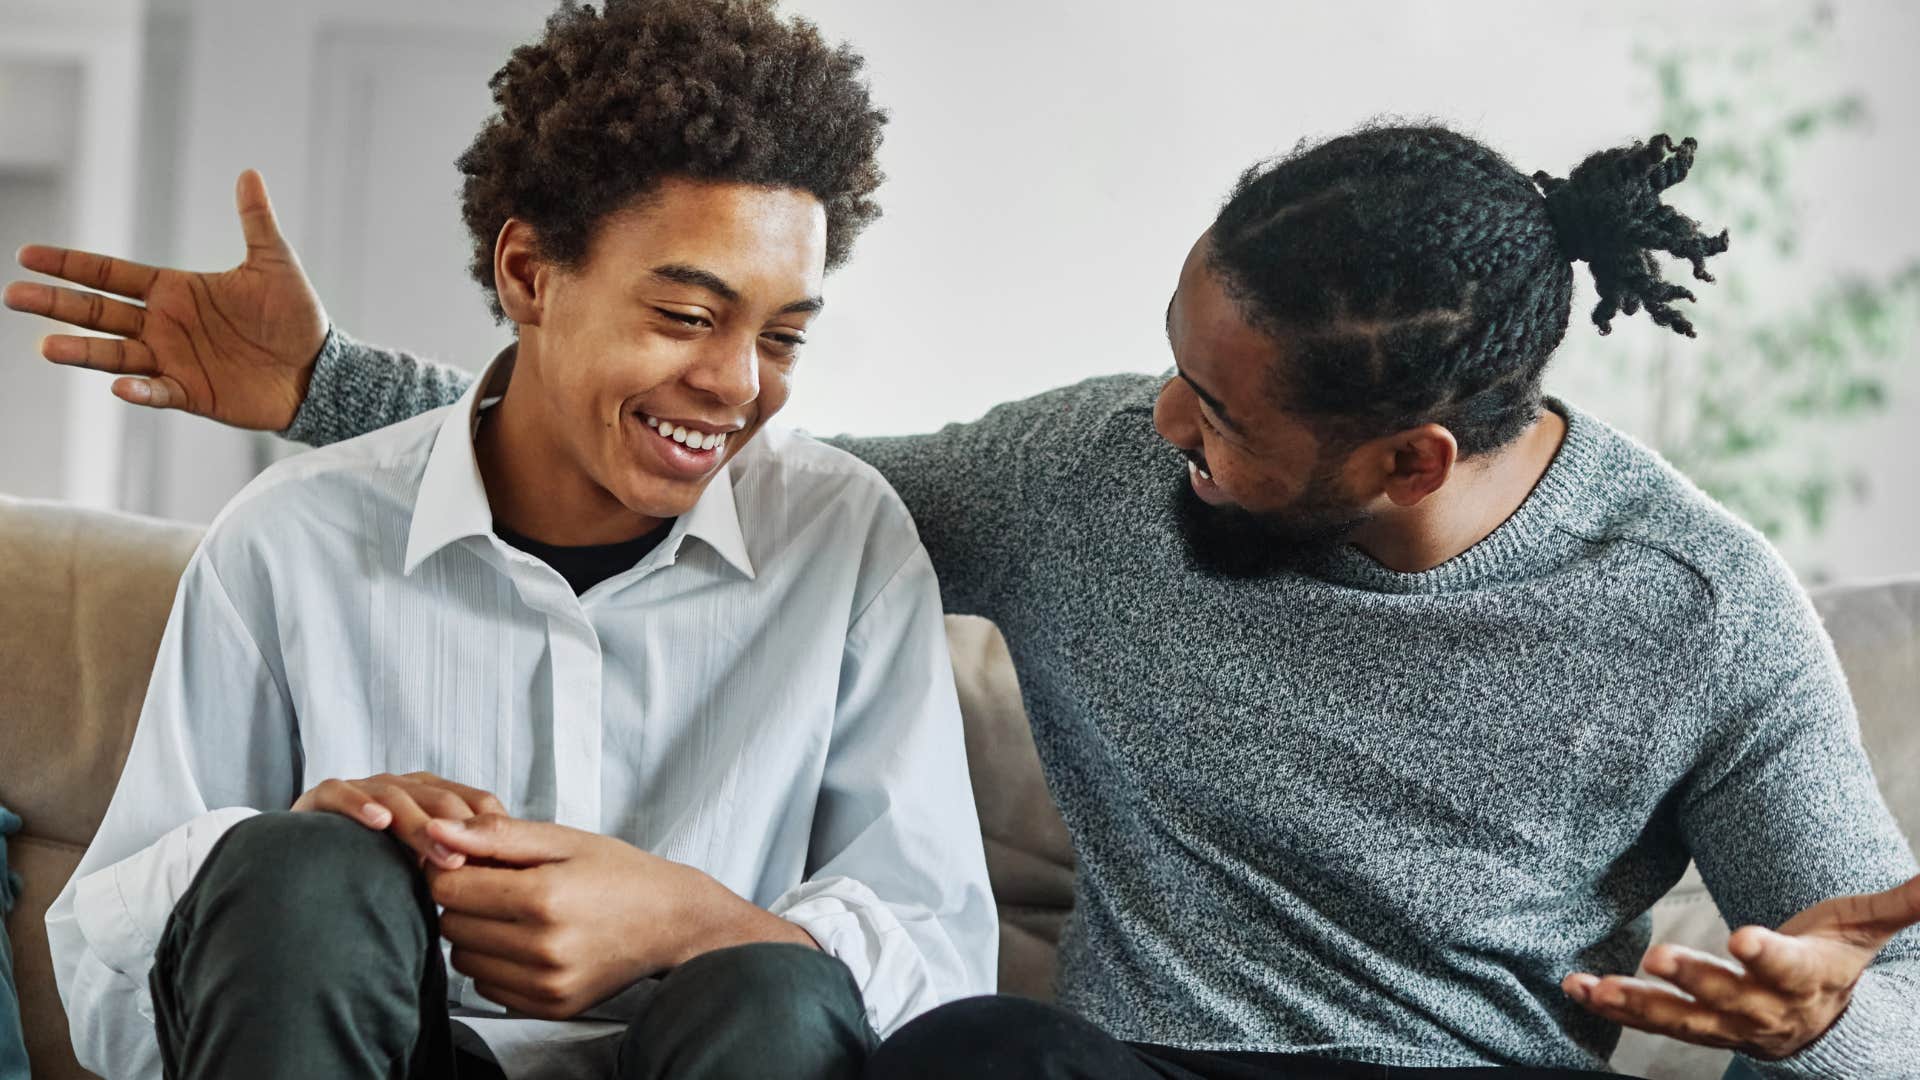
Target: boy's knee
[
  {"x": 727, "y": 1013},
  {"x": 996, "y": 1035},
  {"x": 768, "y": 975},
  {"x": 301, "y": 872},
  {"x": 298, "y": 918},
  {"x": 309, "y": 843}
]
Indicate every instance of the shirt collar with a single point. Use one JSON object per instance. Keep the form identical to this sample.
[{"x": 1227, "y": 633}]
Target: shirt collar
[
  {"x": 715, "y": 519},
  {"x": 451, "y": 502}
]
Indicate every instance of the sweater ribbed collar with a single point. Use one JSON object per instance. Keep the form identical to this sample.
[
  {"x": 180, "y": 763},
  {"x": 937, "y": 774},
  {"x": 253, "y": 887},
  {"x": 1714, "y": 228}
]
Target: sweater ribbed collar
[{"x": 1538, "y": 537}]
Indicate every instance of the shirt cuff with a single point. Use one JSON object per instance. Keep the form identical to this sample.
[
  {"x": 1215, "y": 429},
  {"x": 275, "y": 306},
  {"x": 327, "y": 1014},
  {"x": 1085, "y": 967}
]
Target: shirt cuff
[
  {"x": 1873, "y": 1038},
  {"x": 122, "y": 909},
  {"x": 108, "y": 922},
  {"x": 855, "y": 927}
]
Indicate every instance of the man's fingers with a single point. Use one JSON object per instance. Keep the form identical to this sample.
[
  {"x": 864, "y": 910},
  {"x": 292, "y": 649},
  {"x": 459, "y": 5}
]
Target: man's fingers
[
  {"x": 489, "y": 892},
  {"x": 1778, "y": 960},
  {"x": 494, "y": 937},
  {"x": 86, "y": 309},
  {"x": 103, "y": 272},
  {"x": 1709, "y": 979},
  {"x": 257, "y": 223},
  {"x": 1648, "y": 1006},
  {"x": 507, "y": 839},
  {"x": 116, "y": 355}
]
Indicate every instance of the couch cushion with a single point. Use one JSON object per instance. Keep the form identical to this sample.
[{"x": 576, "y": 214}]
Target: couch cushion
[
  {"x": 87, "y": 596},
  {"x": 1876, "y": 630},
  {"x": 1029, "y": 857}
]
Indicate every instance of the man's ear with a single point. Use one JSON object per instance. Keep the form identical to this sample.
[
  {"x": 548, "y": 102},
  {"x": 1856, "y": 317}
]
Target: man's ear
[
  {"x": 1416, "y": 462},
  {"x": 517, "y": 268}
]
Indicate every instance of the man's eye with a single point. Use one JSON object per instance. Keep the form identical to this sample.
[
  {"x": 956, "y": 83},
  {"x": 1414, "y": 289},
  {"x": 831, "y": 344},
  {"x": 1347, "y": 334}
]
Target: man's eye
[
  {"x": 1208, "y": 423},
  {"x": 682, "y": 317}
]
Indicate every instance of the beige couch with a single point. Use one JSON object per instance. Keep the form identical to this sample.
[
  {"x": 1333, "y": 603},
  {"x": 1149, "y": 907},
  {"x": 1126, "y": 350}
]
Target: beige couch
[{"x": 84, "y": 596}]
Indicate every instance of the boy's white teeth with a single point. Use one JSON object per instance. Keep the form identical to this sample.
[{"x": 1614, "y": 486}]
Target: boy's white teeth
[
  {"x": 1200, "y": 472},
  {"x": 691, "y": 439}
]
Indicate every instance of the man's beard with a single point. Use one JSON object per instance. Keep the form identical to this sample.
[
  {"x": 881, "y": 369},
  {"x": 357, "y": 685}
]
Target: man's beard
[{"x": 1228, "y": 541}]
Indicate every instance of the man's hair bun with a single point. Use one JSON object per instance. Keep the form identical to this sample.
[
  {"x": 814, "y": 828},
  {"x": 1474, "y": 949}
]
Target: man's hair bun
[{"x": 1608, "y": 213}]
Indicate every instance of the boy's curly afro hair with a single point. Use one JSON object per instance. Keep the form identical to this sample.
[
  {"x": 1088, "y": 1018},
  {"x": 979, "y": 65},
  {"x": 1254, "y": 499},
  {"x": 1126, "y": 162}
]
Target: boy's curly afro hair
[{"x": 608, "y": 103}]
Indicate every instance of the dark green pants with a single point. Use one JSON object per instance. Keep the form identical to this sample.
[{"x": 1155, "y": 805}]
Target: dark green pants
[
  {"x": 308, "y": 946},
  {"x": 1003, "y": 1036}
]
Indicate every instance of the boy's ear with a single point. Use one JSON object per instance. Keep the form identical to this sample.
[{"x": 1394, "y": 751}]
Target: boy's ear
[{"x": 517, "y": 270}]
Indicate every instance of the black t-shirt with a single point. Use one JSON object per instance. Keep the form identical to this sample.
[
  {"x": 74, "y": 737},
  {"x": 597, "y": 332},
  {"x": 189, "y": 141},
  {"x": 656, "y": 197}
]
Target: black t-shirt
[{"x": 588, "y": 565}]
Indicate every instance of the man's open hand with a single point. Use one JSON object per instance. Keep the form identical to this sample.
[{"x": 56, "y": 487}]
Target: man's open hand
[
  {"x": 1787, "y": 989},
  {"x": 237, "y": 346},
  {"x": 549, "y": 920}
]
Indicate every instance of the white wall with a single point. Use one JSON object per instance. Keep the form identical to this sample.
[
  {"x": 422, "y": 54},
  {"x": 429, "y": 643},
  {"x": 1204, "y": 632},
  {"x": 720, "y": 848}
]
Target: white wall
[
  {"x": 33, "y": 451},
  {"x": 37, "y": 110},
  {"x": 1050, "y": 163},
  {"x": 69, "y": 73}
]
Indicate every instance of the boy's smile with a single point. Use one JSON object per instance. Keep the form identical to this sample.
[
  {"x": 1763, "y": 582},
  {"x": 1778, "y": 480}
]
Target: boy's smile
[{"x": 691, "y": 449}]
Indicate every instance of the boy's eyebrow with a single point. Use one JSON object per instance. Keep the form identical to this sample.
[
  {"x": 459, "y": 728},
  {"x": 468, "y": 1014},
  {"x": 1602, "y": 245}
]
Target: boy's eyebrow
[{"x": 682, "y": 274}]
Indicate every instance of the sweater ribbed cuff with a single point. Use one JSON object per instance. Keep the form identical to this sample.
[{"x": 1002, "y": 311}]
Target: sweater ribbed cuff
[
  {"x": 314, "y": 421},
  {"x": 1877, "y": 1038}
]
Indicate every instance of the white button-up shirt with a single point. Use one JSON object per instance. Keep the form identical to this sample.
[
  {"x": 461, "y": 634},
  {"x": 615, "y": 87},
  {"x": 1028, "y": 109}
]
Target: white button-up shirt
[{"x": 765, "y": 696}]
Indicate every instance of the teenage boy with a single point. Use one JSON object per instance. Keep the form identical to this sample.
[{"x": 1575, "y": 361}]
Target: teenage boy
[{"x": 590, "y": 673}]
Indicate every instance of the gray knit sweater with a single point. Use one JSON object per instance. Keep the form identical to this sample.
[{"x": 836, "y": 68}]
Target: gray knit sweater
[{"x": 1375, "y": 815}]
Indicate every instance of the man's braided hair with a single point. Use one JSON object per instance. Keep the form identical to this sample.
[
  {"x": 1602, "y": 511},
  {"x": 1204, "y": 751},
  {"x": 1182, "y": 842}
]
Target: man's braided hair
[
  {"x": 1412, "y": 275},
  {"x": 606, "y": 104}
]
